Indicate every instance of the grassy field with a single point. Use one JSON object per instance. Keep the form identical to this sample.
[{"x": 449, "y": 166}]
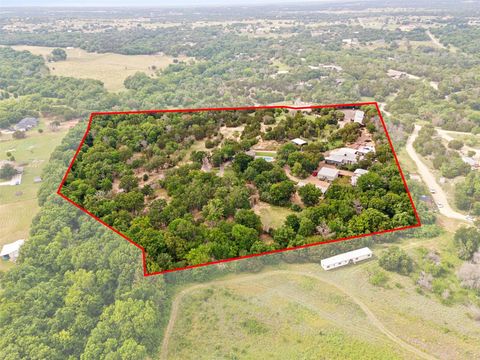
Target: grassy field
[
  {"x": 272, "y": 216},
  {"x": 314, "y": 314},
  {"x": 276, "y": 317},
  {"x": 111, "y": 69},
  {"x": 18, "y": 204}
]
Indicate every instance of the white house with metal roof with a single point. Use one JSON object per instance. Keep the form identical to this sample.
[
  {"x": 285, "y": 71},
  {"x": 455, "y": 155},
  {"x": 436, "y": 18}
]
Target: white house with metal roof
[{"x": 351, "y": 257}]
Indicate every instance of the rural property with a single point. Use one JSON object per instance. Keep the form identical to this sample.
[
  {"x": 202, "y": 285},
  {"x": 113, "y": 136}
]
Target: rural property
[{"x": 196, "y": 187}]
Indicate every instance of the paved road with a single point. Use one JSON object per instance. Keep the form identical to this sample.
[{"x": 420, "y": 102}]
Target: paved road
[
  {"x": 248, "y": 277},
  {"x": 429, "y": 179}
]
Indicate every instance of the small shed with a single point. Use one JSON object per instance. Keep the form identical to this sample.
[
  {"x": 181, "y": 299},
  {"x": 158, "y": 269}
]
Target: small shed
[
  {"x": 37, "y": 179},
  {"x": 10, "y": 251},
  {"x": 351, "y": 257},
  {"x": 328, "y": 174},
  {"x": 299, "y": 142}
]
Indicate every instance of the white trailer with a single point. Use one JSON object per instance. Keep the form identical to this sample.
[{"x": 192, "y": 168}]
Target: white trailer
[{"x": 351, "y": 257}]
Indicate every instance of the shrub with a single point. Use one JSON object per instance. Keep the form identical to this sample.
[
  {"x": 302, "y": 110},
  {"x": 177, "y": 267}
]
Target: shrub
[{"x": 397, "y": 260}]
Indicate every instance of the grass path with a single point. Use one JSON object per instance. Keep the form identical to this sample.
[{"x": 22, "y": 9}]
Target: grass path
[{"x": 248, "y": 277}]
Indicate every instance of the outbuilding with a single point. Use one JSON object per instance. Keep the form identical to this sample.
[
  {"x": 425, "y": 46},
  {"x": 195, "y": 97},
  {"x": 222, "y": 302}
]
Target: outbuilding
[
  {"x": 10, "y": 251},
  {"x": 299, "y": 142},
  {"x": 358, "y": 117},
  {"x": 328, "y": 174},
  {"x": 351, "y": 257}
]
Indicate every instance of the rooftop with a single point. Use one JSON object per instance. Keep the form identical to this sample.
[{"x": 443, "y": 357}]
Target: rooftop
[
  {"x": 328, "y": 172},
  {"x": 299, "y": 141},
  {"x": 346, "y": 256},
  {"x": 8, "y": 249}
]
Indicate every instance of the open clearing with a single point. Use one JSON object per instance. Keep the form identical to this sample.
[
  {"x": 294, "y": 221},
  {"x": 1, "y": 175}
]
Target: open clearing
[
  {"x": 305, "y": 312},
  {"x": 111, "y": 69}
]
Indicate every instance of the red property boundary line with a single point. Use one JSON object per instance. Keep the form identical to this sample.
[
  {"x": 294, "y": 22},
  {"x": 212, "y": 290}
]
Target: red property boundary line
[{"x": 146, "y": 273}]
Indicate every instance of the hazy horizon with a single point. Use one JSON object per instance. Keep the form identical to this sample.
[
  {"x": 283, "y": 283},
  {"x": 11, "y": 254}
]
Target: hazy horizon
[{"x": 149, "y": 3}]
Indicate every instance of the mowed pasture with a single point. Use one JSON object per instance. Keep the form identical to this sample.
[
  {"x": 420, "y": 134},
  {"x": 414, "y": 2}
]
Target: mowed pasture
[
  {"x": 111, "y": 69},
  {"x": 18, "y": 204}
]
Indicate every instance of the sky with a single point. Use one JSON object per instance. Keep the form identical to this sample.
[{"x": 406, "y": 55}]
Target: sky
[{"x": 142, "y": 3}]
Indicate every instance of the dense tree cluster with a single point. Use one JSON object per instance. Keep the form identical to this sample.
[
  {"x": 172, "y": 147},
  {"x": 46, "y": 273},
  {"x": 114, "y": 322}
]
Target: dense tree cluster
[
  {"x": 136, "y": 172},
  {"x": 76, "y": 290}
]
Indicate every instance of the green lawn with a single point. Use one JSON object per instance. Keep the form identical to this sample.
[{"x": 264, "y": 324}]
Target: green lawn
[{"x": 272, "y": 216}]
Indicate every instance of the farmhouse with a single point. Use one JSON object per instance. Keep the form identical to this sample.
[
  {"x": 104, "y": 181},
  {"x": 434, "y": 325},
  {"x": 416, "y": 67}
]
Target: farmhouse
[
  {"x": 356, "y": 174},
  {"x": 299, "y": 142},
  {"x": 26, "y": 124},
  {"x": 328, "y": 174},
  {"x": 10, "y": 251},
  {"x": 346, "y": 258},
  {"x": 342, "y": 156}
]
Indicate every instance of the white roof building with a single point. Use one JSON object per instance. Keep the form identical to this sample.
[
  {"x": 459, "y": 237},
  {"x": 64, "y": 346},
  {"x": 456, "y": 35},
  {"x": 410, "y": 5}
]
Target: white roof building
[
  {"x": 363, "y": 150},
  {"x": 10, "y": 251},
  {"x": 344, "y": 259},
  {"x": 342, "y": 156},
  {"x": 356, "y": 174},
  {"x": 328, "y": 174},
  {"x": 358, "y": 118},
  {"x": 298, "y": 141}
]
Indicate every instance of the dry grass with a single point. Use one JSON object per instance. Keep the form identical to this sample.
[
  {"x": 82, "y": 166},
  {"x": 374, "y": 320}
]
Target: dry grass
[{"x": 111, "y": 69}]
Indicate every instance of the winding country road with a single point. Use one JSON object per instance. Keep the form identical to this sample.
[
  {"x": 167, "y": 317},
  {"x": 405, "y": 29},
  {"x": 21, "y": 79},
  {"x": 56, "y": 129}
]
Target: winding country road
[
  {"x": 429, "y": 179},
  {"x": 248, "y": 277}
]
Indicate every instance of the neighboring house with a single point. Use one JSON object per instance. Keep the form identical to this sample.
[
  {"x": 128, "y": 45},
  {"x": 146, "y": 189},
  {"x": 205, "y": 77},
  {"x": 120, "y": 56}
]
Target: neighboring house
[
  {"x": 358, "y": 117},
  {"x": 26, "y": 124},
  {"x": 342, "y": 156},
  {"x": 356, "y": 174},
  {"x": 10, "y": 251},
  {"x": 328, "y": 174},
  {"x": 346, "y": 258},
  {"x": 299, "y": 142}
]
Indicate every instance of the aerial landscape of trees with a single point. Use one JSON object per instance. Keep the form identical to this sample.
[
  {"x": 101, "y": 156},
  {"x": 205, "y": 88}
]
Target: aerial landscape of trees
[
  {"x": 189, "y": 190},
  {"x": 134, "y": 173}
]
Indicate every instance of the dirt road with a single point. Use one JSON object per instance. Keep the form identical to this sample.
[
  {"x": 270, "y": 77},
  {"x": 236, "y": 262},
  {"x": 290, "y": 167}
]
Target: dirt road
[
  {"x": 447, "y": 135},
  {"x": 248, "y": 277},
  {"x": 435, "y": 40},
  {"x": 429, "y": 179}
]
